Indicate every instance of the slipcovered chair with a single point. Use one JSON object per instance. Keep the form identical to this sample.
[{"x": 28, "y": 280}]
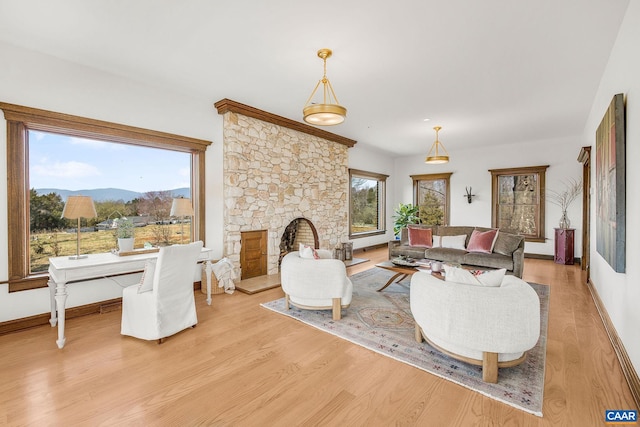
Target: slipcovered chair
[
  {"x": 315, "y": 284},
  {"x": 163, "y": 303},
  {"x": 490, "y": 326}
]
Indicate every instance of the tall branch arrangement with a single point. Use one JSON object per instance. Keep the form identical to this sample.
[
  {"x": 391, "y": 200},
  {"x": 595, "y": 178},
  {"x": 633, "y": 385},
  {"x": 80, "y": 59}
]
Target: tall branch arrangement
[{"x": 573, "y": 189}]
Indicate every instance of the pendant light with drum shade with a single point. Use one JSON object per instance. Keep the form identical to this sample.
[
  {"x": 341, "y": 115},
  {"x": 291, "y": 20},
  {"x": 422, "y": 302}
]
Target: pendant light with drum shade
[
  {"x": 437, "y": 154},
  {"x": 329, "y": 112}
]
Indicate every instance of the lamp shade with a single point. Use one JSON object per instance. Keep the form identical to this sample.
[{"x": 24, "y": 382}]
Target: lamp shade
[
  {"x": 79, "y": 207},
  {"x": 181, "y": 207},
  {"x": 324, "y": 114}
]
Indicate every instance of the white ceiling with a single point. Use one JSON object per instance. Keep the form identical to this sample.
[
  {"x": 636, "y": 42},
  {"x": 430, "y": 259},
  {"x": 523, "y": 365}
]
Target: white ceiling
[{"x": 489, "y": 72}]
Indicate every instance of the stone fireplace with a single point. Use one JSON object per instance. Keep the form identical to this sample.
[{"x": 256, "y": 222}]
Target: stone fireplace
[{"x": 277, "y": 171}]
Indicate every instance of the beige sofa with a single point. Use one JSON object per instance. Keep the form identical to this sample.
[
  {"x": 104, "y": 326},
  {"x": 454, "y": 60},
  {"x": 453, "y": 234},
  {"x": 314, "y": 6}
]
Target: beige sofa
[{"x": 508, "y": 251}]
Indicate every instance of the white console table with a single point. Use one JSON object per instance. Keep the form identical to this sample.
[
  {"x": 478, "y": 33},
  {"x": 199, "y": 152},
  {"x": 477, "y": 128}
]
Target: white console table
[{"x": 63, "y": 270}]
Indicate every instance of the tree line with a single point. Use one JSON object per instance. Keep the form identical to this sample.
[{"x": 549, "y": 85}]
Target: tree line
[
  {"x": 364, "y": 203},
  {"x": 45, "y": 210}
]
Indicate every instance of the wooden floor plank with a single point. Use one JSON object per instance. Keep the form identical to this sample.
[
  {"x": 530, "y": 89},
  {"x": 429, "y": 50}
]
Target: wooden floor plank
[{"x": 245, "y": 365}]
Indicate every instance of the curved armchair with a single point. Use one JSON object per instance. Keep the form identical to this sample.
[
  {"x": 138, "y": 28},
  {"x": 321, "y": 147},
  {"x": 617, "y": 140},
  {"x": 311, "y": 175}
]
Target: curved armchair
[
  {"x": 316, "y": 284},
  {"x": 488, "y": 326},
  {"x": 168, "y": 306}
]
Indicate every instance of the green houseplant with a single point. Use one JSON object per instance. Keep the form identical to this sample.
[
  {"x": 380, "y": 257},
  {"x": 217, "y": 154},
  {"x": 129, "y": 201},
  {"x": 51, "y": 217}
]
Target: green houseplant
[
  {"x": 125, "y": 234},
  {"x": 405, "y": 214}
]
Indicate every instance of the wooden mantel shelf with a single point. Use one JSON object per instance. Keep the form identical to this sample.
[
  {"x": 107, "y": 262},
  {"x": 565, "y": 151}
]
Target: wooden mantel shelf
[{"x": 226, "y": 105}]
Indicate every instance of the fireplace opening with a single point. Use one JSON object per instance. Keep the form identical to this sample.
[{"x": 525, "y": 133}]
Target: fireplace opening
[{"x": 300, "y": 230}]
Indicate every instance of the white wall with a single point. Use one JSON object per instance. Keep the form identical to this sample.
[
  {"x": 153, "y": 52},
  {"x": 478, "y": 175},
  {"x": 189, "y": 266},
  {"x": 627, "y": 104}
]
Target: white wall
[
  {"x": 619, "y": 292},
  {"x": 41, "y": 81},
  {"x": 471, "y": 167}
]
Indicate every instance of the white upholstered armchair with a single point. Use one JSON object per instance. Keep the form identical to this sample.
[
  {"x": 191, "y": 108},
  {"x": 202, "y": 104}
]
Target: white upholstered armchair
[
  {"x": 163, "y": 303},
  {"x": 482, "y": 325},
  {"x": 316, "y": 284}
]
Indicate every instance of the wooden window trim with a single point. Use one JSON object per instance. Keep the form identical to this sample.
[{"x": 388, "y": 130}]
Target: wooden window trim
[
  {"x": 432, "y": 177},
  {"x": 21, "y": 119},
  {"x": 382, "y": 202},
  {"x": 530, "y": 170}
]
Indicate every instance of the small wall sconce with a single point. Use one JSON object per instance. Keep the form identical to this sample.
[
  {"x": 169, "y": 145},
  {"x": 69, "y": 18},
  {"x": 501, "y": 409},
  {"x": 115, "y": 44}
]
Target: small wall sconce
[{"x": 468, "y": 195}]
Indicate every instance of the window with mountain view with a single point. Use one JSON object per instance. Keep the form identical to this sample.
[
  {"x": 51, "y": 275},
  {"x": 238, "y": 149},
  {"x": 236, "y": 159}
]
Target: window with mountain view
[
  {"x": 123, "y": 180},
  {"x": 366, "y": 203},
  {"x": 131, "y": 162}
]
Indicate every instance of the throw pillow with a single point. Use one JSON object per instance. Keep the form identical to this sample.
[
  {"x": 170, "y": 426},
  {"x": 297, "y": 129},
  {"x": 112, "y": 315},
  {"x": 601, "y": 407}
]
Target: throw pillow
[
  {"x": 146, "y": 281},
  {"x": 453, "y": 242},
  {"x": 308, "y": 252},
  {"x": 482, "y": 241},
  {"x": 459, "y": 275},
  {"x": 437, "y": 241},
  {"x": 489, "y": 278},
  {"x": 420, "y": 237}
]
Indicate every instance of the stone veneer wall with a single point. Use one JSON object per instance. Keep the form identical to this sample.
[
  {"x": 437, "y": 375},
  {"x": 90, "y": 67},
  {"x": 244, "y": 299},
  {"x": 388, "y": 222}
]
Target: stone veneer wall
[{"x": 273, "y": 175}]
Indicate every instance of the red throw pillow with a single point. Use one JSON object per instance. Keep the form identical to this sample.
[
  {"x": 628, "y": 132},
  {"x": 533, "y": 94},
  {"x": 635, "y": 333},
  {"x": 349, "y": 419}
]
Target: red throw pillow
[
  {"x": 420, "y": 237},
  {"x": 482, "y": 241}
]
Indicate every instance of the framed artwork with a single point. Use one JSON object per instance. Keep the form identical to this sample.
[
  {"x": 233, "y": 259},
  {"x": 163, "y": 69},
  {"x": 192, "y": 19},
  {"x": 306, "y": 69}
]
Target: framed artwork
[
  {"x": 517, "y": 200},
  {"x": 611, "y": 185}
]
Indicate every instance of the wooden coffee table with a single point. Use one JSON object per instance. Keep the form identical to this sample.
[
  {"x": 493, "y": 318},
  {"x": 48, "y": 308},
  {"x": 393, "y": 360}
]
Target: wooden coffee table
[
  {"x": 403, "y": 271},
  {"x": 400, "y": 270}
]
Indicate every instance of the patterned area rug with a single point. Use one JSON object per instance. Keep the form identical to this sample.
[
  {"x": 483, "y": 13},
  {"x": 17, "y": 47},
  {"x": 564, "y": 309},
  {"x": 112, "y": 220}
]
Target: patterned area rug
[{"x": 382, "y": 322}]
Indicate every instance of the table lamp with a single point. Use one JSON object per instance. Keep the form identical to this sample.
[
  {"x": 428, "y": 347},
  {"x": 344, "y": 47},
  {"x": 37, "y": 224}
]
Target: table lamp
[
  {"x": 181, "y": 207},
  {"x": 79, "y": 207}
]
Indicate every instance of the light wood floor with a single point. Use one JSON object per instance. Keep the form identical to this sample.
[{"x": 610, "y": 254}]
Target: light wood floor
[{"x": 247, "y": 366}]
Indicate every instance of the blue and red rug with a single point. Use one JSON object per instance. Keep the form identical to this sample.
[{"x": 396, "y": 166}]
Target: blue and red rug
[{"x": 382, "y": 322}]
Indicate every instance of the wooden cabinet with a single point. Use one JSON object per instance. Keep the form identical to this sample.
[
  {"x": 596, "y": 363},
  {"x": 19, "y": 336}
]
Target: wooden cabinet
[{"x": 564, "y": 246}]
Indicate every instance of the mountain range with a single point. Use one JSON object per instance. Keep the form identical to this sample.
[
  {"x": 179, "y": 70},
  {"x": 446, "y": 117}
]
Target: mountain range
[{"x": 105, "y": 194}]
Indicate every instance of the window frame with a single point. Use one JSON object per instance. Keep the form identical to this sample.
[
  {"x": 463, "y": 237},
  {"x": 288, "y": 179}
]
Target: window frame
[
  {"x": 540, "y": 171},
  {"x": 21, "y": 119},
  {"x": 382, "y": 188},
  {"x": 434, "y": 177}
]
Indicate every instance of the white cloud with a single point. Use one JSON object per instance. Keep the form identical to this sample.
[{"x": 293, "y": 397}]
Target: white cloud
[
  {"x": 39, "y": 136},
  {"x": 66, "y": 170},
  {"x": 95, "y": 144}
]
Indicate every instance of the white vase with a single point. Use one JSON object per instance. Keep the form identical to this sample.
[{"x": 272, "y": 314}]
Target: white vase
[{"x": 126, "y": 244}]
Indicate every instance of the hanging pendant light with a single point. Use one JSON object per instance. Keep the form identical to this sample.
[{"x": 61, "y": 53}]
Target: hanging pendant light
[
  {"x": 330, "y": 112},
  {"x": 437, "y": 154}
]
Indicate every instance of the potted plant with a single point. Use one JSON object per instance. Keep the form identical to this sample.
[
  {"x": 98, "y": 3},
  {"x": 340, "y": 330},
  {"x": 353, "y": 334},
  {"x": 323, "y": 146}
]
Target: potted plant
[
  {"x": 404, "y": 215},
  {"x": 125, "y": 234},
  {"x": 564, "y": 198}
]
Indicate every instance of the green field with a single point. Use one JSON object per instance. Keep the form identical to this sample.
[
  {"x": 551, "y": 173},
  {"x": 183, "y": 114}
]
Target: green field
[
  {"x": 361, "y": 228},
  {"x": 52, "y": 244}
]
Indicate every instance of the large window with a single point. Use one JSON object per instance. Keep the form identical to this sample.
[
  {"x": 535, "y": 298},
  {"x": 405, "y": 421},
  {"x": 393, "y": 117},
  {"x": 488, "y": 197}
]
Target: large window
[
  {"x": 517, "y": 198},
  {"x": 25, "y": 125},
  {"x": 124, "y": 181},
  {"x": 366, "y": 203},
  {"x": 431, "y": 196}
]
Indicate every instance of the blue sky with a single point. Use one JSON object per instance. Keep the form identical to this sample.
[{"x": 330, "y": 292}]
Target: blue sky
[{"x": 72, "y": 163}]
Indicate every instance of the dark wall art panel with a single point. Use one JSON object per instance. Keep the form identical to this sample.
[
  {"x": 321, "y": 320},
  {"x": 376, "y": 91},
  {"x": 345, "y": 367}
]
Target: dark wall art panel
[{"x": 611, "y": 185}]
